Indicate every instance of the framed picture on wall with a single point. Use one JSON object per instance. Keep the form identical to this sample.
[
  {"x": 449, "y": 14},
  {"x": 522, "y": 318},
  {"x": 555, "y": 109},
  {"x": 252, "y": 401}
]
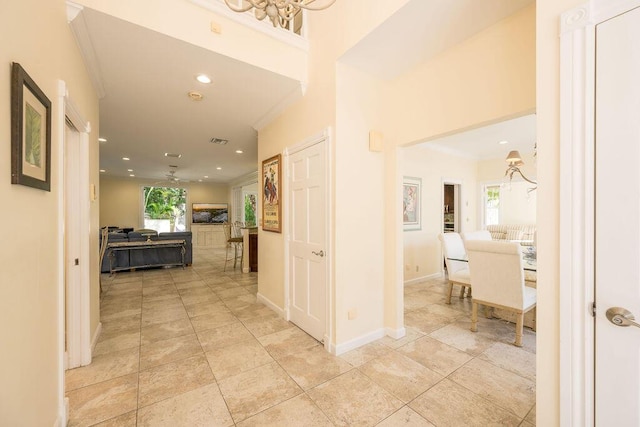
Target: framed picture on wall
[
  {"x": 271, "y": 191},
  {"x": 411, "y": 203},
  {"x": 30, "y": 132}
]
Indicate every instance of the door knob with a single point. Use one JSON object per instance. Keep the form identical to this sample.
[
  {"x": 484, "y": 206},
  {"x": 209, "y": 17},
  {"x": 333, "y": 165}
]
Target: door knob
[
  {"x": 621, "y": 317},
  {"x": 320, "y": 254}
]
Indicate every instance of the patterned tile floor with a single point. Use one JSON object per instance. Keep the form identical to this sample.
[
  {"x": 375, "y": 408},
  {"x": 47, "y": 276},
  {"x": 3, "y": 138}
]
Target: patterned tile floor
[{"x": 193, "y": 348}]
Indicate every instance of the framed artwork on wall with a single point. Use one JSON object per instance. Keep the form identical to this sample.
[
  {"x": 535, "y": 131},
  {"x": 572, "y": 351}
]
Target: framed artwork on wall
[
  {"x": 411, "y": 203},
  {"x": 30, "y": 132},
  {"x": 271, "y": 190}
]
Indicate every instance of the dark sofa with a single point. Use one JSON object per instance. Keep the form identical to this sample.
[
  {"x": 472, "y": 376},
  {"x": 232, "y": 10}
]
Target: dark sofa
[{"x": 139, "y": 258}]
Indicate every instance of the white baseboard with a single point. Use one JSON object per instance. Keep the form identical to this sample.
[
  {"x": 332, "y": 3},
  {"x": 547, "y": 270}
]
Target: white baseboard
[
  {"x": 396, "y": 333},
  {"x": 95, "y": 338},
  {"x": 357, "y": 342},
  {"x": 266, "y": 301},
  {"x": 422, "y": 278},
  {"x": 63, "y": 414}
]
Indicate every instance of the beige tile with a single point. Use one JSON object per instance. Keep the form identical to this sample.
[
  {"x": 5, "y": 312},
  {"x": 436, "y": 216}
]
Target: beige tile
[
  {"x": 125, "y": 324},
  {"x": 253, "y": 391},
  {"x": 213, "y": 320},
  {"x": 170, "y": 302},
  {"x": 265, "y": 325},
  {"x": 169, "y": 350},
  {"x": 125, "y": 420},
  {"x": 103, "y": 401},
  {"x": 190, "y": 283},
  {"x": 241, "y": 302},
  {"x": 287, "y": 341},
  {"x": 400, "y": 376},
  {"x": 232, "y": 293},
  {"x": 251, "y": 311},
  {"x": 115, "y": 312},
  {"x": 502, "y": 387},
  {"x": 208, "y": 297},
  {"x": 235, "y": 358},
  {"x": 511, "y": 358},
  {"x": 161, "y": 292},
  {"x": 161, "y": 315},
  {"x": 299, "y": 410},
  {"x": 313, "y": 366},
  {"x": 127, "y": 290},
  {"x": 117, "y": 342},
  {"x": 449, "y": 404},
  {"x": 171, "y": 379},
  {"x": 354, "y": 400},
  {"x": 103, "y": 367},
  {"x": 531, "y": 416},
  {"x": 525, "y": 423},
  {"x": 163, "y": 331},
  {"x": 411, "y": 335},
  {"x": 405, "y": 417},
  {"x": 212, "y": 339},
  {"x": 206, "y": 308},
  {"x": 203, "y": 406},
  {"x": 435, "y": 355},
  {"x": 362, "y": 355},
  {"x": 426, "y": 321},
  {"x": 462, "y": 338},
  {"x": 415, "y": 300}
]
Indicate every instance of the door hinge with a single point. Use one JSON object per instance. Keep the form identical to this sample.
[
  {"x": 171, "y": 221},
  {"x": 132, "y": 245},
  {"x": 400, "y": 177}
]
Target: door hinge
[{"x": 592, "y": 309}]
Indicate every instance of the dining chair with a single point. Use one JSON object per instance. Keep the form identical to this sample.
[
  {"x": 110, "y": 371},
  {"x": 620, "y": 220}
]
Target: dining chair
[
  {"x": 457, "y": 271},
  {"x": 234, "y": 242},
  {"x": 476, "y": 235},
  {"x": 498, "y": 281}
]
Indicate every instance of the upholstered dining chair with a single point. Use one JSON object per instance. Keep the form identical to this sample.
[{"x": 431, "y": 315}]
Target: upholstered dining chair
[
  {"x": 234, "y": 243},
  {"x": 457, "y": 271},
  {"x": 476, "y": 235},
  {"x": 498, "y": 281}
]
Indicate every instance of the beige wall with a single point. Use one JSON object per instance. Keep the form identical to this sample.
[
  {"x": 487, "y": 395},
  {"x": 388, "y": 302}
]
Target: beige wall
[
  {"x": 36, "y": 35},
  {"x": 121, "y": 199},
  {"x": 422, "y": 248}
]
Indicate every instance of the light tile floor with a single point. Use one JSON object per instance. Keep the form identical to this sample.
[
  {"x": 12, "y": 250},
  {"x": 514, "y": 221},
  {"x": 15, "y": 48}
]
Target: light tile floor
[{"x": 193, "y": 348}]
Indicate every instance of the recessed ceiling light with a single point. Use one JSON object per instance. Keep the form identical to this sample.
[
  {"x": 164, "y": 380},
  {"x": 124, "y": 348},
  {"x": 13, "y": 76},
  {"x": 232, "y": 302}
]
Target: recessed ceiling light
[
  {"x": 176, "y": 156},
  {"x": 503, "y": 142},
  {"x": 203, "y": 78},
  {"x": 199, "y": 180},
  {"x": 195, "y": 96},
  {"x": 102, "y": 171},
  {"x": 206, "y": 176},
  {"x": 219, "y": 168},
  {"x": 129, "y": 170},
  {"x": 239, "y": 151},
  {"x": 102, "y": 139},
  {"x": 126, "y": 158},
  {"x": 131, "y": 175}
]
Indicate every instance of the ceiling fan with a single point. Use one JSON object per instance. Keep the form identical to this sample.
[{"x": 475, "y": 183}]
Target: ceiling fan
[{"x": 171, "y": 177}]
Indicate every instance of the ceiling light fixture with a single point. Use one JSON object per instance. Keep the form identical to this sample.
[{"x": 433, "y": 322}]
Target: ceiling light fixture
[
  {"x": 206, "y": 176},
  {"x": 195, "y": 96},
  {"x": 175, "y": 156},
  {"x": 203, "y": 78},
  {"x": 239, "y": 151},
  {"x": 102, "y": 171},
  {"x": 102, "y": 139},
  {"x": 129, "y": 170},
  {"x": 514, "y": 161},
  {"x": 280, "y": 12},
  {"x": 131, "y": 175},
  {"x": 126, "y": 158},
  {"x": 503, "y": 142},
  {"x": 218, "y": 168}
]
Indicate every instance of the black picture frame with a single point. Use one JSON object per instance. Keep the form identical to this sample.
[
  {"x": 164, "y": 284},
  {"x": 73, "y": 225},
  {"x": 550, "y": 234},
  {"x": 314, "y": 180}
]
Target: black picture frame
[{"x": 30, "y": 132}]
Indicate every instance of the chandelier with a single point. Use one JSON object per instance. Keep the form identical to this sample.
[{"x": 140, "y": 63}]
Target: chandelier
[
  {"x": 280, "y": 12},
  {"x": 514, "y": 161}
]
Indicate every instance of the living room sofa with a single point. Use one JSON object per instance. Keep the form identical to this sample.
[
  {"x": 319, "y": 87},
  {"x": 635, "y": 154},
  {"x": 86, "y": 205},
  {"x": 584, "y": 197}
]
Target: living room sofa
[
  {"x": 524, "y": 232},
  {"x": 139, "y": 258}
]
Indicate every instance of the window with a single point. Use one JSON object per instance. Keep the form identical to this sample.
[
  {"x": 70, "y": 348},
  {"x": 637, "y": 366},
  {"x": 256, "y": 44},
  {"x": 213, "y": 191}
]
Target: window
[
  {"x": 250, "y": 207},
  {"x": 491, "y": 204},
  {"x": 164, "y": 208}
]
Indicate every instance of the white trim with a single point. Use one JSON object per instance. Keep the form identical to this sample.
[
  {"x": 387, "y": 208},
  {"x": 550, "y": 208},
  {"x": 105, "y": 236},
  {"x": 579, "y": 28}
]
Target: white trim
[
  {"x": 288, "y": 100},
  {"x": 422, "y": 278},
  {"x": 266, "y": 301},
  {"x": 357, "y": 342},
  {"x": 322, "y": 137},
  {"x": 577, "y": 88},
  {"x": 396, "y": 333},
  {"x": 265, "y": 27}
]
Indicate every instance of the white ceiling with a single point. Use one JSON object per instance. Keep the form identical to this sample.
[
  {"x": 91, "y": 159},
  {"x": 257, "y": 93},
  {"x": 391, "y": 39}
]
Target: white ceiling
[
  {"x": 483, "y": 143},
  {"x": 146, "y": 76}
]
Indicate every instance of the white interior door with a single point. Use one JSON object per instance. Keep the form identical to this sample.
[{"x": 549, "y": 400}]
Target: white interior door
[
  {"x": 307, "y": 242},
  {"x": 617, "y": 211}
]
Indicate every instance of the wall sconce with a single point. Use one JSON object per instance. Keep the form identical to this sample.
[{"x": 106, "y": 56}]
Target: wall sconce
[{"x": 514, "y": 161}]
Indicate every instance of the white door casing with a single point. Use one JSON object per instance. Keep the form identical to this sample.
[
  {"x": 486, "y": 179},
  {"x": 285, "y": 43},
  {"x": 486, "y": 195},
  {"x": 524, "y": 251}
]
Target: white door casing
[
  {"x": 307, "y": 216},
  {"x": 617, "y": 218},
  {"x": 577, "y": 221}
]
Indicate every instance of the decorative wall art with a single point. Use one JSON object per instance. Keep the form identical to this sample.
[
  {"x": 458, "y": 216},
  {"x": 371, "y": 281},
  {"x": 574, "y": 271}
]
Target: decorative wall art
[
  {"x": 411, "y": 201},
  {"x": 30, "y": 132},
  {"x": 271, "y": 191}
]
